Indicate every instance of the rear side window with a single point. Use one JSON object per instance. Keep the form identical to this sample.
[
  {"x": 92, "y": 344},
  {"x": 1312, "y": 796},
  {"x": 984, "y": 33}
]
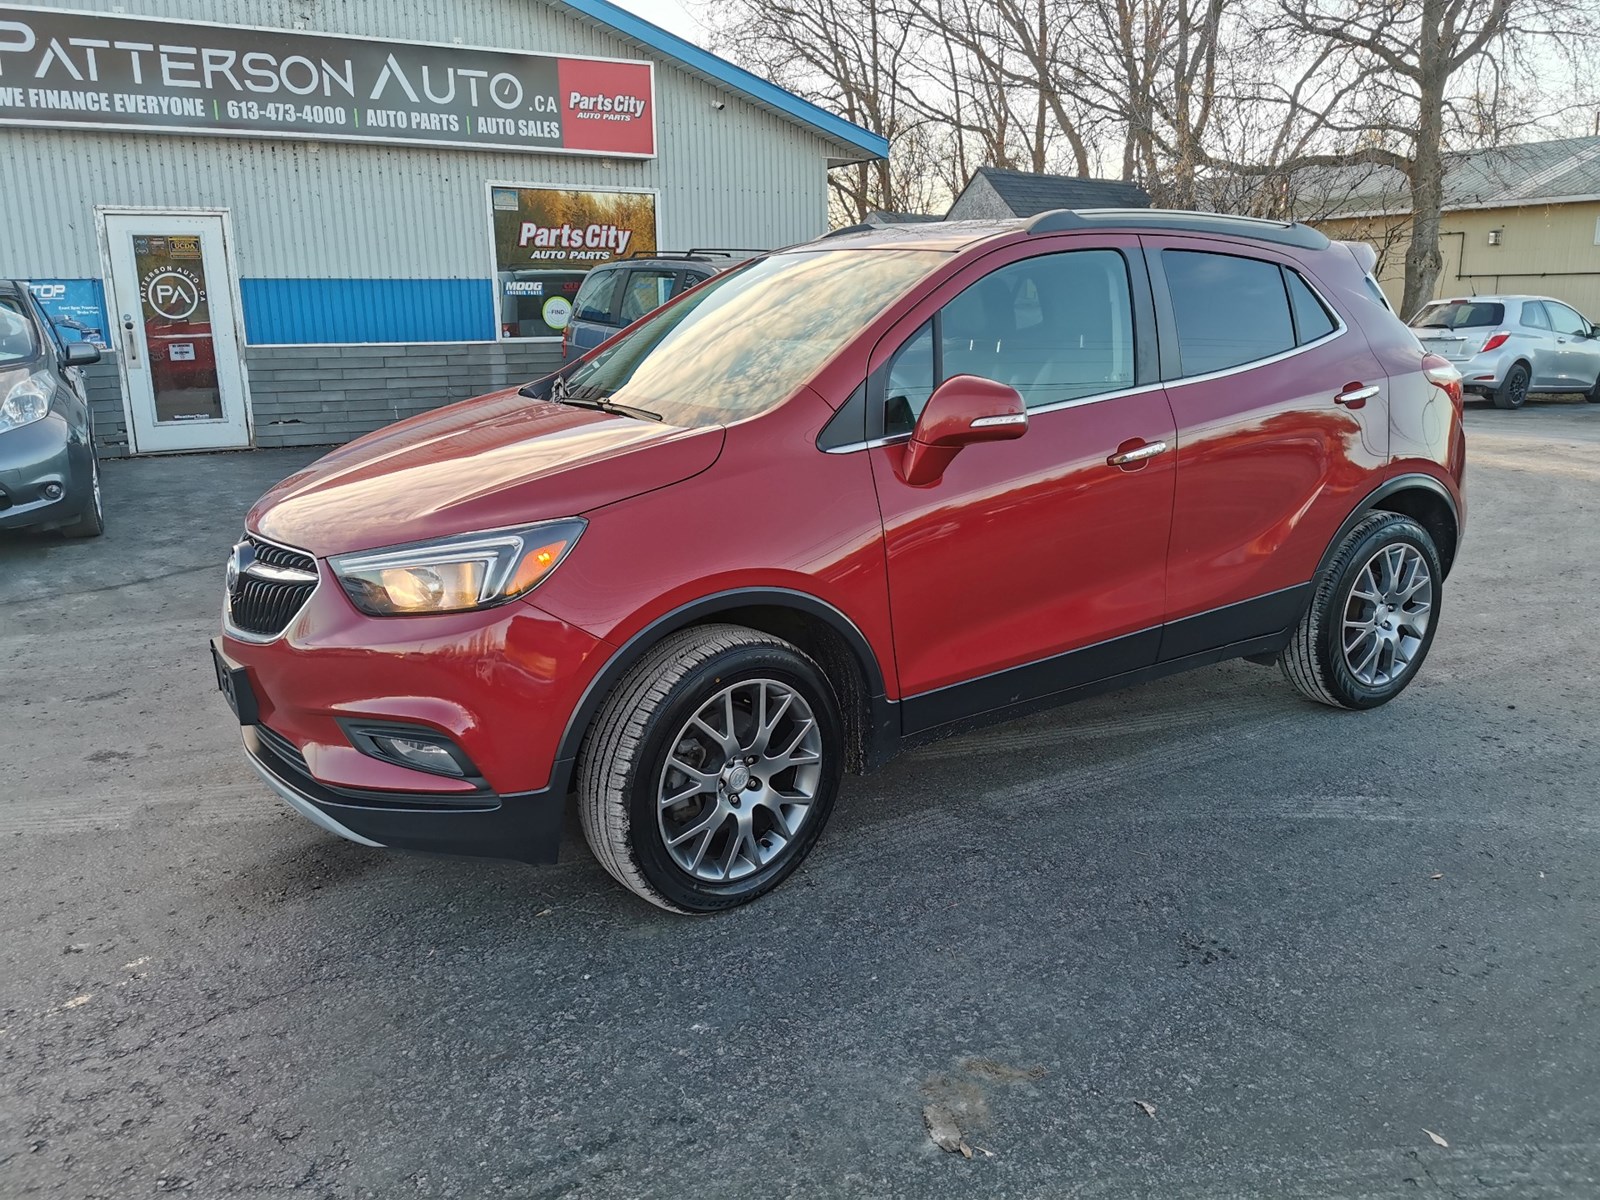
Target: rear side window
[
  {"x": 597, "y": 296},
  {"x": 1533, "y": 316},
  {"x": 1311, "y": 319},
  {"x": 1229, "y": 310},
  {"x": 1460, "y": 314},
  {"x": 646, "y": 291}
]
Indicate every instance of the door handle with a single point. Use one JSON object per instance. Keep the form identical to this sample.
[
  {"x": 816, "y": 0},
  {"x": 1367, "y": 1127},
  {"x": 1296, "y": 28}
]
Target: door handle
[
  {"x": 1356, "y": 396},
  {"x": 130, "y": 340},
  {"x": 1137, "y": 454}
]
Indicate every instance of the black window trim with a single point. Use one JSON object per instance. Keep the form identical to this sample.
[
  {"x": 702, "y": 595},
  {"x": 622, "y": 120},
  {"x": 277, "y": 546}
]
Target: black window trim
[{"x": 1167, "y": 321}]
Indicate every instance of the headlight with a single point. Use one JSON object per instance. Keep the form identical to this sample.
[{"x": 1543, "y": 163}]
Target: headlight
[
  {"x": 475, "y": 570},
  {"x": 27, "y": 401}
]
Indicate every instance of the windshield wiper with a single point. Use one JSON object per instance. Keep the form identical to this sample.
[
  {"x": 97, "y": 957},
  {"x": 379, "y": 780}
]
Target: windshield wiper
[{"x": 602, "y": 404}]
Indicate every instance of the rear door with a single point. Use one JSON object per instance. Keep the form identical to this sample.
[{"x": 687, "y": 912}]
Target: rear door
[{"x": 1281, "y": 411}]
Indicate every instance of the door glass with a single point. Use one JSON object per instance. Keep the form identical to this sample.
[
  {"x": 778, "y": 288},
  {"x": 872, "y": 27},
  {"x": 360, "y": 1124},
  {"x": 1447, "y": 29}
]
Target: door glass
[
  {"x": 596, "y": 296},
  {"x": 1564, "y": 320},
  {"x": 177, "y": 327},
  {"x": 647, "y": 290},
  {"x": 1229, "y": 310},
  {"x": 1056, "y": 327}
]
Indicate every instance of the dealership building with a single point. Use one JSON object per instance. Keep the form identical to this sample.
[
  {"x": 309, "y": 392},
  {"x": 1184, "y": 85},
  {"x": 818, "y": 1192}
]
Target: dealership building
[{"x": 315, "y": 219}]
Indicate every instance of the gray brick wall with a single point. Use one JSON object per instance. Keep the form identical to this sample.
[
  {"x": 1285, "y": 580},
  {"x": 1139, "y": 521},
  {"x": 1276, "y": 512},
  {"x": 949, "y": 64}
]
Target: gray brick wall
[{"x": 326, "y": 395}]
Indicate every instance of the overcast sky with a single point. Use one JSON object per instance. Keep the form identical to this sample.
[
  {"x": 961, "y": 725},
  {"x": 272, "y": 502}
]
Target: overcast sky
[{"x": 671, "y": 15}]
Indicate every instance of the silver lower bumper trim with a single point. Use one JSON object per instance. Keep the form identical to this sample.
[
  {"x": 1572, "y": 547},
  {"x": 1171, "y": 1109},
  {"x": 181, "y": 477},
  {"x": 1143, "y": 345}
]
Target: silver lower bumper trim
[{"x": 307, "y": 809}]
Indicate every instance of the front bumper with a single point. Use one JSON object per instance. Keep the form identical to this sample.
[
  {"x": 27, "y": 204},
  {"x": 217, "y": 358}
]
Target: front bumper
[
  {"x": 525, "y": 828},
  {"x": 39, "y": 454}
]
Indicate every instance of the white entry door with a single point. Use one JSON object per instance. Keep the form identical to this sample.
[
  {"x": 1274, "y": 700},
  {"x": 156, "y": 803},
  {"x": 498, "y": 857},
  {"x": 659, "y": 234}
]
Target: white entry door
[{"x": 174, "y": 323}]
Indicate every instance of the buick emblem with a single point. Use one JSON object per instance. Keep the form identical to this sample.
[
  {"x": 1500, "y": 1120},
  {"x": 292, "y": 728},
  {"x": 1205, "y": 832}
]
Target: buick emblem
[{"x": 241, "y": 556}]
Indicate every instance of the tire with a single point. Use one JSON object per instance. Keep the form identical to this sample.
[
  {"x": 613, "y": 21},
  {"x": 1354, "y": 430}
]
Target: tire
[
  {"x": 737, "y": 836},
  {"x": 1333, "y": 663},
  {"x": 1513, "y": 389},
  {"x": 91, "y": 519},
  {"x": 1593, "y": 394}
]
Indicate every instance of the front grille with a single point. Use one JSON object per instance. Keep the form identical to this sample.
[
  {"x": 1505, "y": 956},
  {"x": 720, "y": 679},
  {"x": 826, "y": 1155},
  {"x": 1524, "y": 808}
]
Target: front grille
[{"x": 264, "y": 604}]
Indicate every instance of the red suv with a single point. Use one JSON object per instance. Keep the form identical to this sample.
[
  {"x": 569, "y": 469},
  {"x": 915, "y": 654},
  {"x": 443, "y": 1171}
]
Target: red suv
[{"x": 851, "y": 497}]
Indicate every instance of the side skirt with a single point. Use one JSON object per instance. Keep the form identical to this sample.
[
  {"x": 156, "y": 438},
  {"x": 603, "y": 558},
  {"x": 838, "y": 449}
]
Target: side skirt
[{"x": 1263, "y": 646}]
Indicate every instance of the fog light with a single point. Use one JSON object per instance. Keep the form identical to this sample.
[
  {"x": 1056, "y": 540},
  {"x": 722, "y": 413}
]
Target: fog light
[
  {"x": 429, "y": 756},
  {"x": 52, "y": 491}
]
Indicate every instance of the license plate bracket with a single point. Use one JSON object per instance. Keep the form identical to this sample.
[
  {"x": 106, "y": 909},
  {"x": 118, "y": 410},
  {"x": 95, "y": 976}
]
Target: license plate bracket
[{"x": 233, "y": 681}]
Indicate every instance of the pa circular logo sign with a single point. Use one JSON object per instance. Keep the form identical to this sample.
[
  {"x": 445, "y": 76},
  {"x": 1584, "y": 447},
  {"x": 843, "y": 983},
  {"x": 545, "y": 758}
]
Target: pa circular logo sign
[
  {"x": 173, "y": 292},
  {"x": 557, "y": 311}
]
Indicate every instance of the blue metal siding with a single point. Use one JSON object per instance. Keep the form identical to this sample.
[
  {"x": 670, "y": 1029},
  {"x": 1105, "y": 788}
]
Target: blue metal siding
[{"x": 322, "y": 311}]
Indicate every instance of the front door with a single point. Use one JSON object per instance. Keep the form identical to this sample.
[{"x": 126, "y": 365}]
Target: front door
[
  {"x": 1036, "y": 565},
  {"x": 176, "y": 332}
]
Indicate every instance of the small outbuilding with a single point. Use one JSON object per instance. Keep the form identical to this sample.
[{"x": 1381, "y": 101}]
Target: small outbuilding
[{"x": 995, "y": 194}]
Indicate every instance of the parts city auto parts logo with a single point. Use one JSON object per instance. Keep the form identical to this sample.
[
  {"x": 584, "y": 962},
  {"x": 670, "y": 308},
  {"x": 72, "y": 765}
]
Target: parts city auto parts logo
[{"x": 173, "y": 293}]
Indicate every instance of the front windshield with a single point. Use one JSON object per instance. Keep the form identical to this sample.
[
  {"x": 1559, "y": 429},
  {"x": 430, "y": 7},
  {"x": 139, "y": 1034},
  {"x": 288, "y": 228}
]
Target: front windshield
[
  {"x": 750, "y": 337},
  {"x": 16, "y": 334}
]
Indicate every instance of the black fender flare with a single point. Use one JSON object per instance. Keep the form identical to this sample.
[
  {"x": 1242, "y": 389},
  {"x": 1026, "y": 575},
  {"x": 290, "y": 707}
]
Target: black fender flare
[
  {"x": 1374, "y": 499},
  {"x": 693, "y": 612}
]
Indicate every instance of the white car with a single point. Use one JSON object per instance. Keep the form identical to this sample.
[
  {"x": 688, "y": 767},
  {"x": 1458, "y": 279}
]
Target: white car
[{"x": 1509, "y": 347}]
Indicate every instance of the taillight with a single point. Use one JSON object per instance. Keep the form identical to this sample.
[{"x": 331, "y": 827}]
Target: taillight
[
  {"x": 566, "y": 332},
  {"x": 508, "y": 330},
  {"x": 1496, "y": 340},
  {"x": 1441, "y": 372}
]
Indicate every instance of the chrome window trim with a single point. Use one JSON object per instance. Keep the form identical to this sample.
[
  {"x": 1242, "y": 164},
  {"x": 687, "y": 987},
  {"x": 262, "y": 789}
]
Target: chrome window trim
[
  {"x": 1339, "y": 330},
  {"x": 260, "y": 639}
]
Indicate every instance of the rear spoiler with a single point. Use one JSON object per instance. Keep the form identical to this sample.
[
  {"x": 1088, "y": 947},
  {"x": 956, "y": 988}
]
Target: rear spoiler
[{"x": 1366, "y": 257}]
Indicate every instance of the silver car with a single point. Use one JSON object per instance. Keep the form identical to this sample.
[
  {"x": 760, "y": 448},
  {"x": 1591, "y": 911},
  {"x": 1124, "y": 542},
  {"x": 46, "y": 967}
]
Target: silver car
[{"x": 1508, "y": 347}]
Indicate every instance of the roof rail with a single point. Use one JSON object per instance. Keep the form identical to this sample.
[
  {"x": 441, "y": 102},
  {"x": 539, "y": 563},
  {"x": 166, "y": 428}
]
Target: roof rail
[
  {"x": 1287, "y": 233},
  {"x": 861, "y": 228},
  {"x": 698, "y": 252}
]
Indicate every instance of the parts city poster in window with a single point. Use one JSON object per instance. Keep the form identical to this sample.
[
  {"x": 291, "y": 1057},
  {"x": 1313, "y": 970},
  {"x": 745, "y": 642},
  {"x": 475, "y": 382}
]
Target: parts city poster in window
[{"x": 547, "y": 239}]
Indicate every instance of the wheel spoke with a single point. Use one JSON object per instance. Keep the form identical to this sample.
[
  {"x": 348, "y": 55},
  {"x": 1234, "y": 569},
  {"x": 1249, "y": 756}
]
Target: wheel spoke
[{"x": 709, "y": 848}]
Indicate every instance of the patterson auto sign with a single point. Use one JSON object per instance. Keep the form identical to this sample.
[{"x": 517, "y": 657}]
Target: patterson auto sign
[{"x": 100, "y": 71}]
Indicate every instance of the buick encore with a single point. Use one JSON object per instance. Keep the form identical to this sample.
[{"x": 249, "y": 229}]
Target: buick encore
[{"x": 853, "y": 496}]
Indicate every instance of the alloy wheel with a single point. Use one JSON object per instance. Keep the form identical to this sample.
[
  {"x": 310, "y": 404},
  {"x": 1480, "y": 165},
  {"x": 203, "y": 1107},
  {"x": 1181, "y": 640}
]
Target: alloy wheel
[
  {"x": 740, "y": 781},
  {"x": 1386, "y": 616}
]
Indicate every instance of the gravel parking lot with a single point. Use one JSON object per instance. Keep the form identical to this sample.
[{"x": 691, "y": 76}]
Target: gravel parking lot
[{"x": 1301, "y": 938}]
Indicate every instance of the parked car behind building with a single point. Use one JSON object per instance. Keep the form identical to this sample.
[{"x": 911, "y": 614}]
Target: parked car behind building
[
  {"x": 49, "y": 476},
  {"x": 1510, "y": 347},
  {"x": 617, "y": 294}
]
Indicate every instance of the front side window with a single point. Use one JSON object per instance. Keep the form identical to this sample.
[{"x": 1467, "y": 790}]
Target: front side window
[
  {"x": 647, "y": 290},
  {"x": 1056, "y": 327},
  {"x": 1565, "y": 320},
  {"x": 1228, "y": 310}
]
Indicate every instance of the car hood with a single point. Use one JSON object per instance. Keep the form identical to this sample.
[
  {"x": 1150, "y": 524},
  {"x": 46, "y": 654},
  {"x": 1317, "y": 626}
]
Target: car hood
[{"x": 499, "y": 460}]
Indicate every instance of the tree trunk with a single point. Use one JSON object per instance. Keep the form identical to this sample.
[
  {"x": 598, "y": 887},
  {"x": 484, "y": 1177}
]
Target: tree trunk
[{"x": 1423, "y": 262}]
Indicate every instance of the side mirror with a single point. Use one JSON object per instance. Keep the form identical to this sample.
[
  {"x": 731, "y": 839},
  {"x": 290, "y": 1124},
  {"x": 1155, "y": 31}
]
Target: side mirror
[
  {"x": 964, "y": 409},
  {"x": 81, "y": 354}
]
